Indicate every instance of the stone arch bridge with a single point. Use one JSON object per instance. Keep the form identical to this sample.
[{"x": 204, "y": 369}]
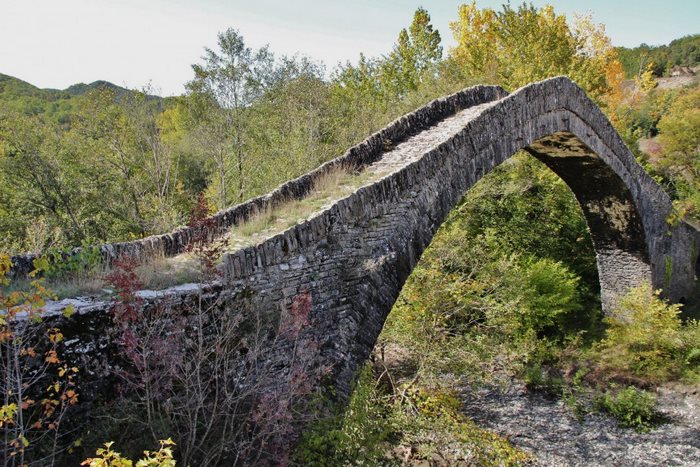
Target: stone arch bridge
[{"x": 353, "y": 257}]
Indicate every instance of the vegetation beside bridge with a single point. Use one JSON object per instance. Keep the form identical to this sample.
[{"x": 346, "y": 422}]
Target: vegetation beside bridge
[{"x": 508, "y": 289}]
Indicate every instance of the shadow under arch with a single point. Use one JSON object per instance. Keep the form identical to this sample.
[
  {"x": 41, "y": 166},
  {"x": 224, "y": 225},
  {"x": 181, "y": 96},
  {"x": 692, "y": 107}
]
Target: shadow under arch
[{"x": 614, "y": 223}]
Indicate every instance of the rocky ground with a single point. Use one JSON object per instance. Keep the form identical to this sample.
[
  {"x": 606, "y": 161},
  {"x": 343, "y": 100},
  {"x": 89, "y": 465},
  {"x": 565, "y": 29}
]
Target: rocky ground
[{"x": 548, "y": 429}]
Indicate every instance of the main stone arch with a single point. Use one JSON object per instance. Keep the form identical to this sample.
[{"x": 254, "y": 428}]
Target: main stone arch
[{"x": 354, "y": 257}]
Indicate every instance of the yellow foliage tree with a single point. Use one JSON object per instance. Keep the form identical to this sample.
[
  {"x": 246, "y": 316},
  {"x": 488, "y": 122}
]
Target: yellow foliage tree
[
  {"x": 516, "y": 46},
  {"x": 645, "y": 81}
]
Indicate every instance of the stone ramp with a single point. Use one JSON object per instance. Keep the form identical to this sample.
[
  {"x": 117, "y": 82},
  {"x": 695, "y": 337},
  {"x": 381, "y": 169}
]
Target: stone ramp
[
  {"x": 417, "y": 146},
  {"x": 393, "y": 159}
]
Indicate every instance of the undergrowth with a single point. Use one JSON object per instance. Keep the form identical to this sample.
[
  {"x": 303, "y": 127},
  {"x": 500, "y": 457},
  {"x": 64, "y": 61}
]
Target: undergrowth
[{"x": 387, "y": 422}]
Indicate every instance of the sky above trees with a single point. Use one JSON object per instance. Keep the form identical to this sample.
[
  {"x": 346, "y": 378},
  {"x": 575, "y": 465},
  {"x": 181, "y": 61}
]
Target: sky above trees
[{"x": 133, "y": 42}]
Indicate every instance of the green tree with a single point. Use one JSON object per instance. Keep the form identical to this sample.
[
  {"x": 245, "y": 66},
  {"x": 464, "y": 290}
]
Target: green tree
[
  {"x": 357, "y": 99},
  {"x": 291, "y": 125},
  {"x": 416, "y": 53},
  {"x": 680, "y": 140},
  {"x": 225, "y": 86},
  {"x": 33, "y": 170},
  {"x": 107, "y": 133}
]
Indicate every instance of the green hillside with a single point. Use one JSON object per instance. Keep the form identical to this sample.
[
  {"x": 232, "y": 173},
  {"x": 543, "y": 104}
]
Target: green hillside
[
  {"x": 684, "y": 52},
  {"x": 57, "y": 105},
  {"x": 20, "y": 96}
]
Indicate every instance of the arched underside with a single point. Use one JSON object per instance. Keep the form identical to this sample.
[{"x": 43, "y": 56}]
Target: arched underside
[
  {"x": 614, "y": 223},
  {"x": 354, "y": 257}
]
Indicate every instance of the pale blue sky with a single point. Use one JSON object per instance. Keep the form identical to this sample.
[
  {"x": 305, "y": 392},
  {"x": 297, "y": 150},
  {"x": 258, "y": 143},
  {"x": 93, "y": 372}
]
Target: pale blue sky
[{"x": 53, "y": 43}]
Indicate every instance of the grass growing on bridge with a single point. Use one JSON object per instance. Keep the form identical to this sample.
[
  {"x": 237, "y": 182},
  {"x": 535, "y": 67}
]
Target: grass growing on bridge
[
  {"x": 157, "y": 274},
  {"x": 328, "y": 189},
  {"x": 163, "y": 272}
]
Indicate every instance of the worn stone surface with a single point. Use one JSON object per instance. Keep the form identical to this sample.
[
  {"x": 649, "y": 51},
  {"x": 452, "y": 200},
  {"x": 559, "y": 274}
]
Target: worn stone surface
[{"x": 354, "y": 257}]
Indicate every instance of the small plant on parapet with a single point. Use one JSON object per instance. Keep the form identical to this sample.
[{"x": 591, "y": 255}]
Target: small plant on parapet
[
  {"x": 126, "y": 283},
  {"x": 203, "y": 246}
]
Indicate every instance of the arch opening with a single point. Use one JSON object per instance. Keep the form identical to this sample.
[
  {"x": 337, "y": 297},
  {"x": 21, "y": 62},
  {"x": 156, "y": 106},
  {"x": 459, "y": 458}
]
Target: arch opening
[
  {"x": 521, "y": 216},
  {"x": 614, "y": 222}
]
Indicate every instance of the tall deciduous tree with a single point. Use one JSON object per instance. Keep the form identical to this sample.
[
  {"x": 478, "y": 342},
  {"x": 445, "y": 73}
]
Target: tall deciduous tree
[
  {"x": 290, "y": 128},
  {"x": 107, "y": 132},
  {"x": 416, "y": 52},
  {"x": 225, "y": 85},
  {"x": 516, "y": 46},
  {"x": 357, "y": 100},
  {"x": 32, "y": 166}
]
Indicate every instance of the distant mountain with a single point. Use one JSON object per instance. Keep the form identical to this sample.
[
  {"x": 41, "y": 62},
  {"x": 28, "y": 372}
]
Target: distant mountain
[
  {"x": 23, "y": 97},
  {"x": 82, "y": 88},
  {"x": 17, "y": 87}
]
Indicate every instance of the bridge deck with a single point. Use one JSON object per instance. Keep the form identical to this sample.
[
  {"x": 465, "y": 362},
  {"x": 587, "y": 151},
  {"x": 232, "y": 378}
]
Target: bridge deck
[
  {"x": 418, "y": 145},
  {"x": 344, "y": 184}
]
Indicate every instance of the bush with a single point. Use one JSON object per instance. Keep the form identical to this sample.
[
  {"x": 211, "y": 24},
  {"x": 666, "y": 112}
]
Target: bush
[
  {"x": 357, "y": 436},
  {"x": 106, "y": 457},
  {"x": 631, "y": 407},
  {"x": 549, "y": 296},
  {"x": 646, "y": 339},
  {"x": 541, "y": 379},
  {"x": 69, "y": 262}
]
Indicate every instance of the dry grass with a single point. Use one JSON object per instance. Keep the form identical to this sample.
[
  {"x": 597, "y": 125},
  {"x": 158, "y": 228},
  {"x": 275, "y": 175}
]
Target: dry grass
[
  {"x": 167, "y": 272},
  {"x": 328, "y": 189},
  {"x": 157, "y": 274},
  {"x": 86, "y": 283}
]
